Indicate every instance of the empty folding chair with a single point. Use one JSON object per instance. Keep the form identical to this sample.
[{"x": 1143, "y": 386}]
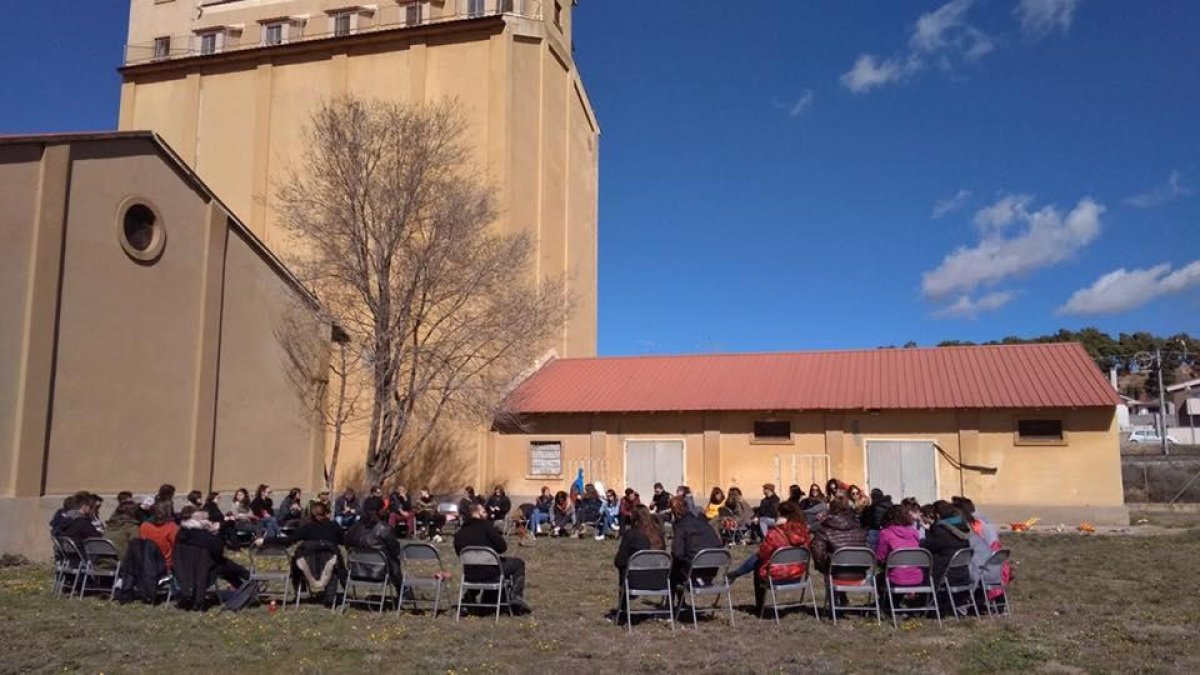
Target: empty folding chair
[
  {"x": 60, "y": 564},
  {"x": 270, "y": 565},
  {"x": 648, "y": 575},
  {"x": 715, "y": 561},
  {"x": 413, "y": 557},
  {"x": 367, "y": 569},
  {"x": 786, "y": 558},
  {"x": 72, "y": 566},
  {"x": 850, "y": 562},
  {"x": 991, "y": 579},
  {"x": 962, "y": 563},
  {"x": 486, "y": 569},
  {"x": 912, "y": 558}
]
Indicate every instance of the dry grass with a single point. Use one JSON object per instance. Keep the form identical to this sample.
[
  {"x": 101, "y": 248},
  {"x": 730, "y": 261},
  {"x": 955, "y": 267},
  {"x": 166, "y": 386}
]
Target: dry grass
[{"x": 1118, "y": 603}]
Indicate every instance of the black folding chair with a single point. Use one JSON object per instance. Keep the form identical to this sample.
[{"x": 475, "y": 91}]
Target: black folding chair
[{"x": 653, "y": 570}]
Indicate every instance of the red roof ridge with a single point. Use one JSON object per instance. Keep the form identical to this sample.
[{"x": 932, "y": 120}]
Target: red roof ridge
[{"x": 805, "y": 352}]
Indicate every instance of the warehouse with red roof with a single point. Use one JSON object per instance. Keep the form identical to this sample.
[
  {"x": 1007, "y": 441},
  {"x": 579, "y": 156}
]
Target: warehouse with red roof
[{"x": 1024, "y": 430}]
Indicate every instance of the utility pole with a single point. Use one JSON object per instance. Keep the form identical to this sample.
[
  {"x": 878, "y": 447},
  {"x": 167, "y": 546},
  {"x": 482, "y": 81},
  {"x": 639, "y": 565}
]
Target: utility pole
[{"x": 1154, "y": 360}]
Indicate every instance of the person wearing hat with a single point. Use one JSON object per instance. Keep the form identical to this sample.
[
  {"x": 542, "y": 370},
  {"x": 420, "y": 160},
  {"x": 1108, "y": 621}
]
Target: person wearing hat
[
  {"x": 145, "y": 509},
  {"x": 767, "y": 511}
]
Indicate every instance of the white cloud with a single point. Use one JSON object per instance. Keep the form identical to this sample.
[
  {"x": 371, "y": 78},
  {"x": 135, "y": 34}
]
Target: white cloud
[
  {"x": 943, "y": 207},
  {"x": 966, "y": 308},
  {"x": 942, "y": 36},
  {"x": 800, "y": 105},
  {"x": 1039, "y": 18},
  {"x": 1003, "y": 213},
  {"x": 1124, "y": 289},
  {"x": 869, "y": 72},
  {"x": 1048, "y": 238},
  {"x": 1168, "y": 192}
]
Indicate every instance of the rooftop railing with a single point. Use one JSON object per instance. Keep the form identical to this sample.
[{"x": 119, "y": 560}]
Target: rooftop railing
[{"x": 253, "y": 35}]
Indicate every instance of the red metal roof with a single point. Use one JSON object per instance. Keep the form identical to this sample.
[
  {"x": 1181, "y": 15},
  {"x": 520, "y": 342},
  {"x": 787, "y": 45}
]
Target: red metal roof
[{"x": 1058, "y": 375}]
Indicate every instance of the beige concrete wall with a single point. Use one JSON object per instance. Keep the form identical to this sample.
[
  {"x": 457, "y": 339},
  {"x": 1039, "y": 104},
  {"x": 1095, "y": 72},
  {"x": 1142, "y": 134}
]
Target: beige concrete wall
[
  {"x": 264, "y": 431},
  {"x": 1077, "y": 479}
]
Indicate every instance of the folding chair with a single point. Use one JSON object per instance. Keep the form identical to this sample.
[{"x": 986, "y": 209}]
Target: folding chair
[
  {"x": 791, "y": 555},
  {"x": 859, "y": 559},
  {"x": 482, "y": 557},
  {"x": 450, "y": 511},
  {"x": 72, "y": 565},
  {"x": 367, "y": 568},
  {"x": 718, "y": 560},
  {"x": 649, "y": 561},
  {"x": 961, "y": 560},
  {"x": 270, "y": 565},
  {"x": 414, "y": 555},
  {"x": 60, "y": 567},
  {"x": 995, "y": 562},
  {"x": 100, "y": 561},
  {"x": 911, "y": 558}
]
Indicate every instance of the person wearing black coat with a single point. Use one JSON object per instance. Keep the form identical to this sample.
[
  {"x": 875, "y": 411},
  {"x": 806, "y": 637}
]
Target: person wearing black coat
[
  {"x": 498, "y": 505},
  {"x": 873, "y": 516},
  {"x": 767, "y": 511},
  {"x": 947, "y": 536},
  {"x": 196, "y": 532},
  {"x": 77, "y": 524},
  {"x": 478, "y": 530},
  {"x": 689, "y": 535},
  {"x": 643, "y": 533}
]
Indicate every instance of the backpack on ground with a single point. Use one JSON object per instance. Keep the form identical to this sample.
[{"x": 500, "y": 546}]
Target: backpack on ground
[{"x": 245, "y": 596}]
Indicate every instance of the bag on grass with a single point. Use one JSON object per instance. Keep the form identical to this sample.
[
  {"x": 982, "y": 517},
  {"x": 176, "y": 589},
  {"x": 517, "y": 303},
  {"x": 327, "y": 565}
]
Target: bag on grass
[{"x": 245, "y": 596}]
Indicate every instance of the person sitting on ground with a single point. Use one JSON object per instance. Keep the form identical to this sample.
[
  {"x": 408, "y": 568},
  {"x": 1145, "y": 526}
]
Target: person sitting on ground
[
  {"x": 716, "y": 499},
  {"x": 948, "y": 535},
  {"x": 542, "y": 508},
  {"x": 625, "y": 512},
  {"x": 162, "y": 530},
  {"x": 795, "y": 494},
  {"x": 124, "y": 496},
  {"x": 122, "y": 526},
  {"x": 660, "y": 502},
  {"x": 498, "y": 505},
  {"x": 587, "y": 512},
  {"x": 768, "y": 509},
  {"x": 610, "y": 513},
  {"x": 563, "y": 514},
  {"x": 346, "y": 509},
  {"x": 290, "y": 509},
  {"x": 815, "y": 496},
  {"x": 791, "y": 529},
  {"x": 240, "y": 509},
  {"x": 684, "y": 492},
  {"x": 690, "y": 535},
  {"x": 840, "y": 529},
  {"x": 196, "y": 530},
  {"x": 373, "y": 501},
  {"x": 644, "y": 533},
  {"x": 212, "y": 509},
  {"x": 400, "y": 510},
  {"x": 76, "y": 521},
  {"x": 832, "y": 487},
  {"x": 427, "y": 514},
  {"x": 166, "y": 493},
  {"x": 735, "y": 516},
  {"x": 897, "y": 533},
  {"x": 873, "y": 516},
  {"x": 478, "y": 530},
  {"x": 262, "y": 507},
  {"x": 372, "y": 532},
  {"x": 858, "y": 499}
]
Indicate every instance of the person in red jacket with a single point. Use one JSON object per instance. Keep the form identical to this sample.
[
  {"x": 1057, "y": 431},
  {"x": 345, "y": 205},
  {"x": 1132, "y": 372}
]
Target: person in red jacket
[{"x": 790, "y": 529}]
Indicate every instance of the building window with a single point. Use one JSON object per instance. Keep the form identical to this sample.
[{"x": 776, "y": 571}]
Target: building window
[
  {"x": 558, "y": 13},
  {"x": 506, "y": 6},
  {"x": 412, "y": 13},
  {"x": 342, "y": 24},
  {"x": 162, "y": 47},
  {"x": 273, "y": 34},
  {"x": 209, "y": 43},
  {"x": 773, "y": 431},
  {"x": 1041, "y": 431},
  {"x": 545, "y": 458},
  {"x": 141, "y": 233},
  {"x": 474, "y": 8}
]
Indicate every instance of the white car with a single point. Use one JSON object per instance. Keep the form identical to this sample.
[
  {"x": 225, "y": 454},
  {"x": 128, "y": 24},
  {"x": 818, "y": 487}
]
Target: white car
[{"x": 1150, "y": 437}]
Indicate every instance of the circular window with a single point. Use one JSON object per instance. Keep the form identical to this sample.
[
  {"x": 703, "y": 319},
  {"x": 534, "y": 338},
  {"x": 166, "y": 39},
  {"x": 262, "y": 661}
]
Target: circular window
[{"x": 141, "y": 234}]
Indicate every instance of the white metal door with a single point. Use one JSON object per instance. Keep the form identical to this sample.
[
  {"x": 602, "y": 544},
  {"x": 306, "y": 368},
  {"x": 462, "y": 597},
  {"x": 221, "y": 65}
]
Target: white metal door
[
  {"x": 650, "y": 462},
  {"x": 903, "y": 469}
]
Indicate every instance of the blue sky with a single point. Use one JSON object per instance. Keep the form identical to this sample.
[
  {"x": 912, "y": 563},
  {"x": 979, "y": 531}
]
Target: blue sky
[{"x": 850, "y": 174}]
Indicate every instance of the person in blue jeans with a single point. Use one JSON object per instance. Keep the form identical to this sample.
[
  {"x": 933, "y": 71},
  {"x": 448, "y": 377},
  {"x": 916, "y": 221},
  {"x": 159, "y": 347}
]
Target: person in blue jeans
[
  {"x": 610, "y": 512},
  {"x": 541, "y": 511}
]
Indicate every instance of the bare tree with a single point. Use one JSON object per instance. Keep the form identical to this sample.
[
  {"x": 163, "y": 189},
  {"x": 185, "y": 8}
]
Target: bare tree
[
  {"x": 393, "y": 229},
  {"x": 317, "y": 375}
]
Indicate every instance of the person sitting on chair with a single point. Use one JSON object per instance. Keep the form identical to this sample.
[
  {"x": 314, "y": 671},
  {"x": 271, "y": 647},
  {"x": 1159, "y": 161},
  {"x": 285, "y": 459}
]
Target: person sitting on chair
[
  {"x": 346, "y": 509},
  {"x": 588, "y": 510},
  {"x": 563, "y": 514},
  {"x": 478, "y": 530},
  {"x": 498, "y": 505},
  {"x": 319, "y": 541},
  {"x": 372, "y": 532},
  {"x": 839, "y": 529},
  {"x": 427, "y": 514},
  {"x": 767, "y": 511},
  {"x": 660, "y": 502},
  {"x": 469, "y": 499},
  {"x": 162, "y": 530},
  {"x": 690, "y": 535},
  {"x": 122, "y": 526},
  {"x": 198, "y": 531},
  {"x": 75, "y": 520},
  {"x": 610, "y": 511},
  {"x": 643, "y": 533}
]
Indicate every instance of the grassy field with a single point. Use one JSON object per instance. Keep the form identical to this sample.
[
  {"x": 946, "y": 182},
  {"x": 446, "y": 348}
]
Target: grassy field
[{"x": 1083, "y": 604}]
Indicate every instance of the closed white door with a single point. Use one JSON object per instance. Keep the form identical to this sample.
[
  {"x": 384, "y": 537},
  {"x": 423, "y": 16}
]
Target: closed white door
[
  {"x": 650, "y": 462},
  {"x": 903, "y": 469}
]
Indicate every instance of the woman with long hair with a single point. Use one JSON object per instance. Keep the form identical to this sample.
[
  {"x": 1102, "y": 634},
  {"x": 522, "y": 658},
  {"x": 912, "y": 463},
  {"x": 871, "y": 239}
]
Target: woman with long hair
[
  {"x": 815, "y": 496},
  {"x": 262, "y": 507},
  {"x": 858, "y": 499},
  {"x": 716, "y": 499},
  {"x": 643, "y": 533}
]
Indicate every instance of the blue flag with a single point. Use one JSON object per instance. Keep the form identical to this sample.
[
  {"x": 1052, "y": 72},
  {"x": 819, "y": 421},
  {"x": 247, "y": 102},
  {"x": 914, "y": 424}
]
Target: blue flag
[{"x": 578, "y": 484}]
